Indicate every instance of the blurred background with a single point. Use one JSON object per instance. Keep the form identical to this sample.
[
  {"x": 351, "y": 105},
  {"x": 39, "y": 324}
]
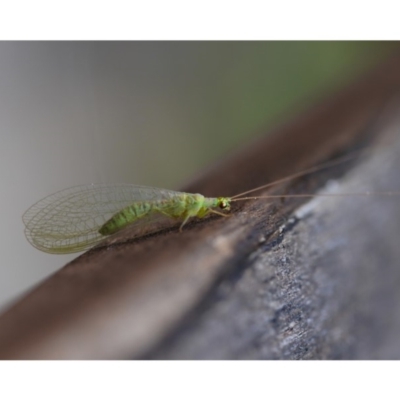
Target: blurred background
[{"x": 151, "y": 113}]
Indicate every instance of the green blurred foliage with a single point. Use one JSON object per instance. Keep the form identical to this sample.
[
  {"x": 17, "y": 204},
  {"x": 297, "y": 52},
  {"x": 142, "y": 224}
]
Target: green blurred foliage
[
  {"x": 268, "y": 81},
  {"x": 230, "y": 92}
]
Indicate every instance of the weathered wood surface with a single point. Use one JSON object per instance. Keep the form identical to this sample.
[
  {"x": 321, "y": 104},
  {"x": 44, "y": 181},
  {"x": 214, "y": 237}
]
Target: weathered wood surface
[{"x": 294, "y": 279}]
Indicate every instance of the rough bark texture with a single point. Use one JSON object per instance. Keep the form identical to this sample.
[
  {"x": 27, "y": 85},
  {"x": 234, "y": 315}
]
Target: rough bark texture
[
  {"x": 325, "y": 286},
  {"x": 291, "y": 278}
]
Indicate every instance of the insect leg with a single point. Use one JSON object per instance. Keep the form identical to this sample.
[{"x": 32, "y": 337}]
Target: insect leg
[
  {"x": 184, "y": 222},
  {"x": 218, "y": 213}
]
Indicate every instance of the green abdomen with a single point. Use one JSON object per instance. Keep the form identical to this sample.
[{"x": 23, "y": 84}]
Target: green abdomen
[{"x": 124, "y": 217}]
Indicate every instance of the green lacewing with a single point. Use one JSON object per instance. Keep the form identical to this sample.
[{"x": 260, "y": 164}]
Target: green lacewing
[{"x": 77, "y": 218}]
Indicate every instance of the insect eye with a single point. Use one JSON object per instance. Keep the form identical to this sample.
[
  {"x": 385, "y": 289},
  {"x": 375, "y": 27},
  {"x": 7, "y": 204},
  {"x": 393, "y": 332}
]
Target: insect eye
[{"x": 222, "y": 205}]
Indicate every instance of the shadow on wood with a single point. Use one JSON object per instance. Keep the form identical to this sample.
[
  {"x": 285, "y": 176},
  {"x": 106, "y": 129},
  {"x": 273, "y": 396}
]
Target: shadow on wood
[{"x": 290, "y": 278}]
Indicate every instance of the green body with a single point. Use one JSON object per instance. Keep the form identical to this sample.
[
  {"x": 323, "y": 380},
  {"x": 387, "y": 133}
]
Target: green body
[
  {"x": 180, "y": 207},
  {"x": 78, "y": 218}
]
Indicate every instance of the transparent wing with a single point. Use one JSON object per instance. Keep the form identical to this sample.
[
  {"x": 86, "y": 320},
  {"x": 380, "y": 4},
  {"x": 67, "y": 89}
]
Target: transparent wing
[{"x": 68, "y": 221}]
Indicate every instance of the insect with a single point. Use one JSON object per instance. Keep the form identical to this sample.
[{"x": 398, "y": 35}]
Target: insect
[{"x": 77, "y": 218}]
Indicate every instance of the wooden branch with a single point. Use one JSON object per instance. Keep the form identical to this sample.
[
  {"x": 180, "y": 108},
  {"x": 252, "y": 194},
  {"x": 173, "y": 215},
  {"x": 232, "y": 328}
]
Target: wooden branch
[{"x": 294, "y": 278}]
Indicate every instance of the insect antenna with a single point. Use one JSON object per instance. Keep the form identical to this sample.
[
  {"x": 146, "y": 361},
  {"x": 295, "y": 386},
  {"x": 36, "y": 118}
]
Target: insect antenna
[
  {"x": 317, "y": 168},
  {"x": 275, "y": 196}
]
